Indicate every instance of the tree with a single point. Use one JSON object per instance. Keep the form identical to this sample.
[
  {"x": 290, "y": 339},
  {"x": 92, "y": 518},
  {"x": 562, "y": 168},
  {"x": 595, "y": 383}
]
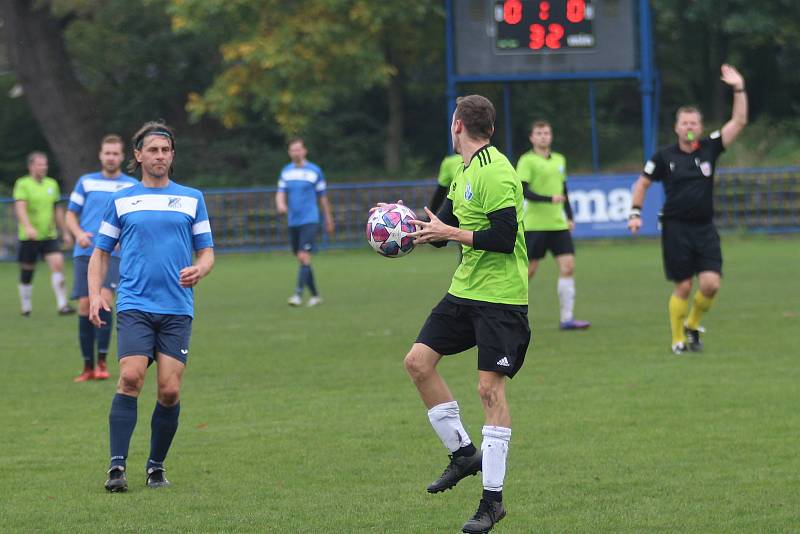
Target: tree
[
  {"x": 292, "y": 61},
  {"x": 64, "y": 110}
]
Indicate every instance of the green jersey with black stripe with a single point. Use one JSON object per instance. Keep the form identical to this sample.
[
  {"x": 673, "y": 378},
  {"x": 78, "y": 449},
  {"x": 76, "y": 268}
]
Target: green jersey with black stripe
[
  {"x": 546, "y": 177},
  {"x": 487, "y": 184},
  {"x": 40, "y": 198}
]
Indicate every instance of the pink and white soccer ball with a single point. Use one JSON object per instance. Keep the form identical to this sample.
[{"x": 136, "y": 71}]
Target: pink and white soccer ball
[{"x": 388, "y": 228}]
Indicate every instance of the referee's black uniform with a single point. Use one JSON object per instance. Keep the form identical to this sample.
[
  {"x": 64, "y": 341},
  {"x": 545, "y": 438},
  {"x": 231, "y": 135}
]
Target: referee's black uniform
[{"x": 689, "y": 240}]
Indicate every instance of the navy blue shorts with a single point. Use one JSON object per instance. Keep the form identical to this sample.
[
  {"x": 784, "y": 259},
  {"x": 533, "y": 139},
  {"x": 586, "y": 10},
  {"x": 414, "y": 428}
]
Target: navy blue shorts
[
  {"x": 145, "y": 334},
  {"x": 80, "y": 285},
  {"x": 304, "y": 237}
]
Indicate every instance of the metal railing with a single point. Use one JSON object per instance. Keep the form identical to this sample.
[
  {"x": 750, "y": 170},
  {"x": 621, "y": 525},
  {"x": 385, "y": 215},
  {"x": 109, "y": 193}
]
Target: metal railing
[{"x": 758, "y": 200}]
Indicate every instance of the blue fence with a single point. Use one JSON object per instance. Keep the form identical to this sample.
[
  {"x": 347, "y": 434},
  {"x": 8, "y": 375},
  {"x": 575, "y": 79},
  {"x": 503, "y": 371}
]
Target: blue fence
[{"x": 756, "y": 200}]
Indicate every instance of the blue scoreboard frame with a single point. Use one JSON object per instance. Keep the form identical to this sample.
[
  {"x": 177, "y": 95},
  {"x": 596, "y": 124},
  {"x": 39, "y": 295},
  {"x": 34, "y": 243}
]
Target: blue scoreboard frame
[{"x": 508, "y": 41}]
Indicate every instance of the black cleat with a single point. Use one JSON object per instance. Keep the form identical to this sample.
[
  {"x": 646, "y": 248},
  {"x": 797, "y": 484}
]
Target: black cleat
[
  {"x": 156, "y": 478},
  {"x": 693, "y": 338},
  {"x": 26, "y": 313},
  {"x": 488, "y": 514},
  {"x": 66, "y": 310},
  {"x": 458, "y": 468},
  {"x": 117, "y": 481}
]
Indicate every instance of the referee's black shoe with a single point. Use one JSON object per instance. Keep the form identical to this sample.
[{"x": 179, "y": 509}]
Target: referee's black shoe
[
  {"x": 458, "y": 468},
  {"x": 156, "y": 478},
  {"x": 117, "y": 481},
  {"x": 693, "y": 338}
]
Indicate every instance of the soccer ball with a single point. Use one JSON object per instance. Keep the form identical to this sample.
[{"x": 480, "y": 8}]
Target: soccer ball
[{"x": 388, "y": 228}]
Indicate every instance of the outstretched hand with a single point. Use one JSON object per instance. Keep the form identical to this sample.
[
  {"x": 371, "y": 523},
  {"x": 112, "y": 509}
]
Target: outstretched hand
[
  {"x": 431, "y": 231},
  {"x": 96, "y": 302},
  {"x": 731, "y": 76}
]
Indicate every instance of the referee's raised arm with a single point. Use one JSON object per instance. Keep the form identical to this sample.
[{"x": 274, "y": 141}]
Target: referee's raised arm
[{"x": 738, "y": 120}]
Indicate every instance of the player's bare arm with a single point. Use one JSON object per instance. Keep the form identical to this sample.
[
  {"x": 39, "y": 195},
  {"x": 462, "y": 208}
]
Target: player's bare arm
[
  {"x": 639, "y": 191},
  {"x": 190, "y": 276},
  {"x": 435, "y": 230},
  {"x": 98, "y": 267},
  {"x": 72, "y": 223},
  {"x": 732, "y": 128},
  {"x": 280, "y": 203},
  {"x": 60, "y": 216},
  {"x": 330, "y": 225},
  {"x": 21, "y": 210}
]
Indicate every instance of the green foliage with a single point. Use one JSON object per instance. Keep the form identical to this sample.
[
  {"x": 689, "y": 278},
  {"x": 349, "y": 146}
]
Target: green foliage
[{"x": 294, "y": 60}]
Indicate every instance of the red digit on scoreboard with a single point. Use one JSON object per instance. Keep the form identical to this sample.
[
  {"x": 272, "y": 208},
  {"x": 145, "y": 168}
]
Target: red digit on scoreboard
[
  {"x": 537, "y": 37},
  {"x": 512, "y": 11},
  {"x": 556, "y": 32},
  {"x": 576, "y": 11}
]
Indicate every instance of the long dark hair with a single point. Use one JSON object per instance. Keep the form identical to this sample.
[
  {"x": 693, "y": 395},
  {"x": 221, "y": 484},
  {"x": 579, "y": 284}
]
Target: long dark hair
[{"x": 159, "y": 128}]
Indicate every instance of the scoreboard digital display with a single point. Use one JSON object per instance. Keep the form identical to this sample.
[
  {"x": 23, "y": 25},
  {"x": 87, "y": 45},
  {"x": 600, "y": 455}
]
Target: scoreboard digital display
[
  {"x": 536, "y": 26},
  {"x": 542, "y": 37}
]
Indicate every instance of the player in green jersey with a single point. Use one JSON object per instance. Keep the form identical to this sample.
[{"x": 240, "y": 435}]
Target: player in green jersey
[
  {"x": 486, "y": 306},
  {"x": 36, "y": 197},
  {"x": 548, "y": 216},
  {"x": 447, "y": 171}
]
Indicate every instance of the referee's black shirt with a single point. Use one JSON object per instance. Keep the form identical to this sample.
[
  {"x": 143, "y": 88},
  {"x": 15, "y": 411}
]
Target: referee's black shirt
[{"x": 688, "y": 179}]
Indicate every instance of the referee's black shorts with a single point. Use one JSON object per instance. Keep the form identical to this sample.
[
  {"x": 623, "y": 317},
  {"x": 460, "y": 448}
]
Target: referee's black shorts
[
  {"x": 558, "y": 242},
  {"x": 501, "y": 333},
  {"x": 690, "y": 248}
]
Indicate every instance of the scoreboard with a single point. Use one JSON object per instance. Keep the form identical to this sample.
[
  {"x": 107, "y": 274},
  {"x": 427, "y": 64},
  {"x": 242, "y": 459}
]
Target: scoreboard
[
  {"x": 541, "y": 26},
  {"x": 520, "y": 37}
]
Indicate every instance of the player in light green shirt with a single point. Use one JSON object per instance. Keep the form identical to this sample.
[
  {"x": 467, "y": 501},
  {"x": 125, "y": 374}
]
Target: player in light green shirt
[
  {"x": 447, "y": 171},
  {"x": 548, "y": 217},
  {"x": 38, "y": 213},
  {"x": 486, "y": 306}
]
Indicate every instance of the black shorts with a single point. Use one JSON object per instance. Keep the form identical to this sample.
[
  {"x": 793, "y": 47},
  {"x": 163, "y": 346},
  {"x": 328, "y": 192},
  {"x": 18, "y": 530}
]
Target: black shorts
[
  {"x": 502, "y": 334},
  {"x": 558, "y": 242},
  {"x": 30, "y": 251},
  {"x": 304, "y": 237},
  {"x": 144, "y": 334},
  {"x": 80, "y": 267},
  {"x": 690, "y": 248}
]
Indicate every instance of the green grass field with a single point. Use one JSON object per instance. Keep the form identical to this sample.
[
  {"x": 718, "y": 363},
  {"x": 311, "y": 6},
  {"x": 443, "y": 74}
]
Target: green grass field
[{"x": 303, "y": 420}]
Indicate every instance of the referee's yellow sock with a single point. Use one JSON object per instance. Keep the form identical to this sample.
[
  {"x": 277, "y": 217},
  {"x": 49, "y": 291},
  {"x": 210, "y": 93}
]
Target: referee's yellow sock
[
  {"x": 678, "y": 308},
  {"x": 700, "y": 306}
]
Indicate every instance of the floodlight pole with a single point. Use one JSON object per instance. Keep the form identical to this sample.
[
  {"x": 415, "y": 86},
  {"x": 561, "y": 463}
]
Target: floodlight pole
[
  {"x": 647, "y": 80},
  {"x": 449, "y": 59}
]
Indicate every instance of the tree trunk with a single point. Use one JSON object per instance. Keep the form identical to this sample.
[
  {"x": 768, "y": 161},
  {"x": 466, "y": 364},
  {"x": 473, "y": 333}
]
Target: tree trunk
[
  {"x": 63, "y": 108},
  {"x": 394, "y": 134}
]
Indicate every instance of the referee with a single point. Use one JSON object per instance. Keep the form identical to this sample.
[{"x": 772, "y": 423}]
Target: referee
[{"x": 689, "y": 240}]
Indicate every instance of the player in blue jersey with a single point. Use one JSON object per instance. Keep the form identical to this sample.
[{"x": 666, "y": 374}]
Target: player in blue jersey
[
  {"x": 87, "y": 204},
  {"x": 158, "y": 224},
  {"x": 300, "y": 186}
]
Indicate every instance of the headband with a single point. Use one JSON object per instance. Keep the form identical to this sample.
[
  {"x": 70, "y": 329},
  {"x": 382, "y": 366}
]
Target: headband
[{"x": 161, "y": 132}]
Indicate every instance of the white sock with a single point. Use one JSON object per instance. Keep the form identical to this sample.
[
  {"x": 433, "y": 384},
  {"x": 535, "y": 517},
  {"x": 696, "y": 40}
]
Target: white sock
[
  {"x": 25, "y": 294},
  {"x": 566, "y": 297},
  {"x": 59, "y": 288},
  {"x": 446, "y": 421},
  {"x": 495, "y": 453}
]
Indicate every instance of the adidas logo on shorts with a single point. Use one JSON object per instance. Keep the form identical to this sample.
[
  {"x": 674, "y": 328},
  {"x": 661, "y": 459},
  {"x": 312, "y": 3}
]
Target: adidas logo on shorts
[{"x": 503, "y": 362}]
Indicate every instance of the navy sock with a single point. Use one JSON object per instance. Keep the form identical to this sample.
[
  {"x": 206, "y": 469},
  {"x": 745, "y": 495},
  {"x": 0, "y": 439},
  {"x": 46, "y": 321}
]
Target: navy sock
[
  {"x": 86, "y": 338},
  {"x": 466, "y": 450},
  {"x": 310, "y": 280},
  {"x": 104, "y": 332},
  {"x": 301, "y": 280},
  {"x": 496, "y": 496},
  {"x": 163, "y": 427},
  {"x": 121, "y": 422}
]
